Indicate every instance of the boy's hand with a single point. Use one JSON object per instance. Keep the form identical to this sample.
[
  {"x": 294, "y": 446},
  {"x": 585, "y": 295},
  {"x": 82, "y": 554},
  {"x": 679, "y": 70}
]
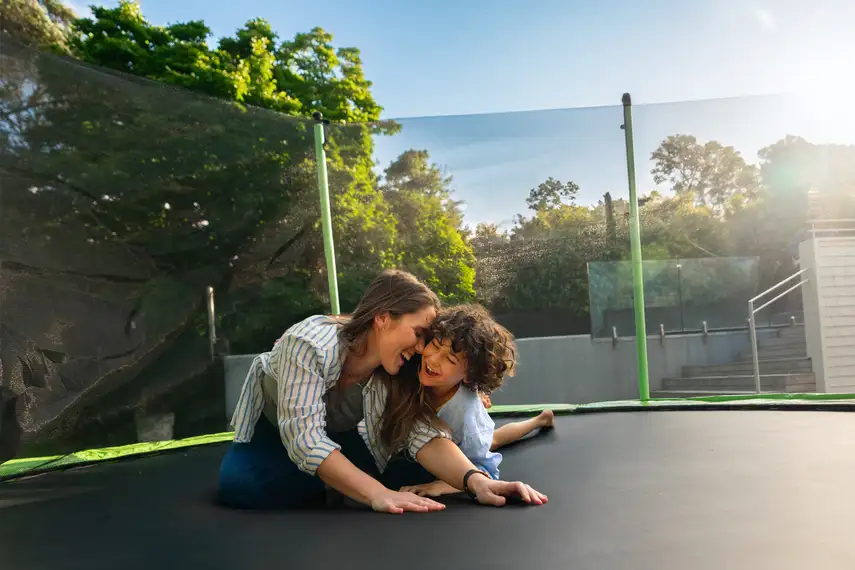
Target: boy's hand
[
  {"x": 485, "y": 399},
  {"x": 432, "y": 489}
]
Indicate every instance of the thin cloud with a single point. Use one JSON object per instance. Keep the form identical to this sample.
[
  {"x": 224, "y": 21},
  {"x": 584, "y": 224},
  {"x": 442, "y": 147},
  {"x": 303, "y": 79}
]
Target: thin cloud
[{"x": 765, "y": 18}]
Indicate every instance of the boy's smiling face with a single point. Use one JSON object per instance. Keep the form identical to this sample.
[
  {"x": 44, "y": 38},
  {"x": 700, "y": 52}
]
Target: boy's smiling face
[{"x": 441, "y": 367}]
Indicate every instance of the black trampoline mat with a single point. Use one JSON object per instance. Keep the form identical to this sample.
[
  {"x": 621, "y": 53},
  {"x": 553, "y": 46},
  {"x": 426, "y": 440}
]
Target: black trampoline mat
[{"x": 634, "y": 490}]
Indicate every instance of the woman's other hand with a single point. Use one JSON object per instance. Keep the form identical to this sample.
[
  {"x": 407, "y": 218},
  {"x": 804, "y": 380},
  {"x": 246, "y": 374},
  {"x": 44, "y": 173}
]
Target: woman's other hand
[
  {"x": 491, "y": 492},
  {"x": 397, "y": 502}
]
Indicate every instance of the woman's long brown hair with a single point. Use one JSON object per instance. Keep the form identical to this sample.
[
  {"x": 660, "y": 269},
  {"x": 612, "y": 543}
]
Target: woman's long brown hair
[
  {"x": 393, "y": 291},
  {"x": 406, "y": 406},
  {"x": 397, "y": 293}
]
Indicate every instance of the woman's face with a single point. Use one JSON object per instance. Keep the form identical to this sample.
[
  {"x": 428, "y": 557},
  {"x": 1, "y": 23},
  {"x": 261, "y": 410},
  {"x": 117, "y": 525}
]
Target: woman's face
[
  {"x": 441, "y": 368},
  {"x": 397, "y": 338}
]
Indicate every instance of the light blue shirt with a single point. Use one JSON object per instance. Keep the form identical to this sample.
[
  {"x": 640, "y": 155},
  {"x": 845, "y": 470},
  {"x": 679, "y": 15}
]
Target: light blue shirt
[{"x": 472, "y": 429}]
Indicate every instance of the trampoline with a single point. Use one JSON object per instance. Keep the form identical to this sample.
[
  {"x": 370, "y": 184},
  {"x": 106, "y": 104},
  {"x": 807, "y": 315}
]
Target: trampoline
[
  {"x": 104, "y": 304},
  {"x": 629, "y": 488}
]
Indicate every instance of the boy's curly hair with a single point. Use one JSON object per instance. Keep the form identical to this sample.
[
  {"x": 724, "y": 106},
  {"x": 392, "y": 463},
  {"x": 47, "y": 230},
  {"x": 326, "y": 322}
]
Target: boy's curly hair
[{"x": 489, "y": 347}]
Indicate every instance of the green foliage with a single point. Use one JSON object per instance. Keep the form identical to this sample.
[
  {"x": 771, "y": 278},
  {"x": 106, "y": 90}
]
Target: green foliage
[
  {"x": 808, "y": 180},
  {"x": 44, "y": 24},
  {"x": 143, "y": 168},
  {"x": 551, "y": 194},
  {"x": 120, "y": 38},
  {"x": 732, "y": 224},
  {"x": 235, "y": 186},
  {"x": 159, "y": 164},
  {"x": 710, "y": 173},
  {"x": 432, "y": 245}
]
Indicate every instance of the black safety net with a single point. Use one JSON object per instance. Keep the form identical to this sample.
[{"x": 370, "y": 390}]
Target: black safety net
[
  {"x": 129, "y": 208},
  {"x": 122, "y": 201}
]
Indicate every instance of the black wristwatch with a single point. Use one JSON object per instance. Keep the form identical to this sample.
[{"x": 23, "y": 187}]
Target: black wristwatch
[{"x": 466, "y": 477}]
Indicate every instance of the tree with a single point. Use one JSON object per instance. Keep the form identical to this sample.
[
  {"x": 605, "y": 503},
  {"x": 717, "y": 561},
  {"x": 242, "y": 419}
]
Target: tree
[
  {"x": 296, "y": 78},
  {"x": 431, "y": 243},
  {"x": 43, "y": 24},
  {"x": 711, "y": 173},
  {"x": 542, "y": 264},
  {"x": 554, "y": 205},
  {"x": 552, "y": 194},
  {"x": 325, "y": 79},
  {"x": 488, "y": 235},
  {"x": 141, "y": 194},
  {"x": 804, "y": 179}
]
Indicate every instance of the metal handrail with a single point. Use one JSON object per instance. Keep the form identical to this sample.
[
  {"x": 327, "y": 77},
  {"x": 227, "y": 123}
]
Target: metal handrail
[
  {"x": 830, "y": 221},
  {"x": 830, "y": 225},
  {"x": 752, "y": 325}
]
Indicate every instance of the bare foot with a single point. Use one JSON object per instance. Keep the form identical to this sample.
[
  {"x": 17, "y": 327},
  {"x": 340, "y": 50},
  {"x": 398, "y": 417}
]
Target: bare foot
[{"x": 546, "y": 419}]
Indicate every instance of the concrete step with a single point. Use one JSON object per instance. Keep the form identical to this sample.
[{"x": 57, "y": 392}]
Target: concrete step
[
  {"x": 805, "y": 382},
  {"x": 780, "y": 341},
  {"x": 771, "y": 366},
  {"x": 796, "y": 331},
  {"x": 708, "y": 393},
  {"x": 775, "y": 353},
  {"x": 697, "y": 393}
]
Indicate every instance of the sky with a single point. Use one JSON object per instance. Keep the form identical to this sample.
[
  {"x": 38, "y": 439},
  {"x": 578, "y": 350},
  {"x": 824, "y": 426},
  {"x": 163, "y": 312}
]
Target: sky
[{"x": 506, "y": 93}]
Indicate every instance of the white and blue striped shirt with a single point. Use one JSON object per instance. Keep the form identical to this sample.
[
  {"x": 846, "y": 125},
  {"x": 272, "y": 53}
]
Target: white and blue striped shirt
[
  {"x": 295, "y": 386},
  {"x": 467, "y": 423},
  {"x": 374, "y": 398}
]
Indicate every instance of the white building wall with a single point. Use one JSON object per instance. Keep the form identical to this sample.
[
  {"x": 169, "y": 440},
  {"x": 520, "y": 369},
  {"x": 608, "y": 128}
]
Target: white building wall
[{"x": 829, "y": 305}]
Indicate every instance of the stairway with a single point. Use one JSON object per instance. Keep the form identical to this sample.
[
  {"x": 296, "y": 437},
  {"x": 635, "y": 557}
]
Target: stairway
[{"x": 784, "y": 367}]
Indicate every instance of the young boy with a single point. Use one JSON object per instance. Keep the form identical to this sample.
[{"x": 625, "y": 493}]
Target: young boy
[{"x": 467, "y": 356}]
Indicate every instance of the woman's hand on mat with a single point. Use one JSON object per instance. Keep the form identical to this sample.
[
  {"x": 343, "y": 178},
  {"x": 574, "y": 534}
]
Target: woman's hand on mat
[
  {"x": 491, "y": 492},
  {"x": 433, "y": 489},
  {"x": 389, "y": 501}
]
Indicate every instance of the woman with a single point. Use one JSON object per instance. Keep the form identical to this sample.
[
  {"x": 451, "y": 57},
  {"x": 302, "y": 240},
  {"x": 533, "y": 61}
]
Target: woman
[{"x": 305, "y": 395}]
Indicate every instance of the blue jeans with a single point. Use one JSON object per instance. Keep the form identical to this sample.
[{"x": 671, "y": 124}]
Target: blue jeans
[{"x": 260, "y": 475}]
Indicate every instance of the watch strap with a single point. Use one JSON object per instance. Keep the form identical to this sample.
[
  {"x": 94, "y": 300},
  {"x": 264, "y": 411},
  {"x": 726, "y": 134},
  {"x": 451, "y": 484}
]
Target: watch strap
[{"x": 466, "y": 477}]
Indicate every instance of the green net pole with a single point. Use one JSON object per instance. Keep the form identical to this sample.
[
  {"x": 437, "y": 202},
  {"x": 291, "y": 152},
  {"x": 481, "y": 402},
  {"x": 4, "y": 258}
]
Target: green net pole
[
  {"x": 635, "y": 242},
  {"x": 326, "y": 216}
]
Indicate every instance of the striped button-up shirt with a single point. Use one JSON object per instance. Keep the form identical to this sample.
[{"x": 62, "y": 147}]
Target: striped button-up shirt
[
  {"x": 374, "y": 398},
  {"x": 295, "y": 386}
]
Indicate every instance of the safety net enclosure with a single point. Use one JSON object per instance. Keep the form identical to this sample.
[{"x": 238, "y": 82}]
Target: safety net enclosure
[{"x": 153, "y": 239}]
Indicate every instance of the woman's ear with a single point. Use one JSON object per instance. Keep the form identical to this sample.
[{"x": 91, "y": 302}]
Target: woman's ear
[{"x": 382, "y": 321}]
